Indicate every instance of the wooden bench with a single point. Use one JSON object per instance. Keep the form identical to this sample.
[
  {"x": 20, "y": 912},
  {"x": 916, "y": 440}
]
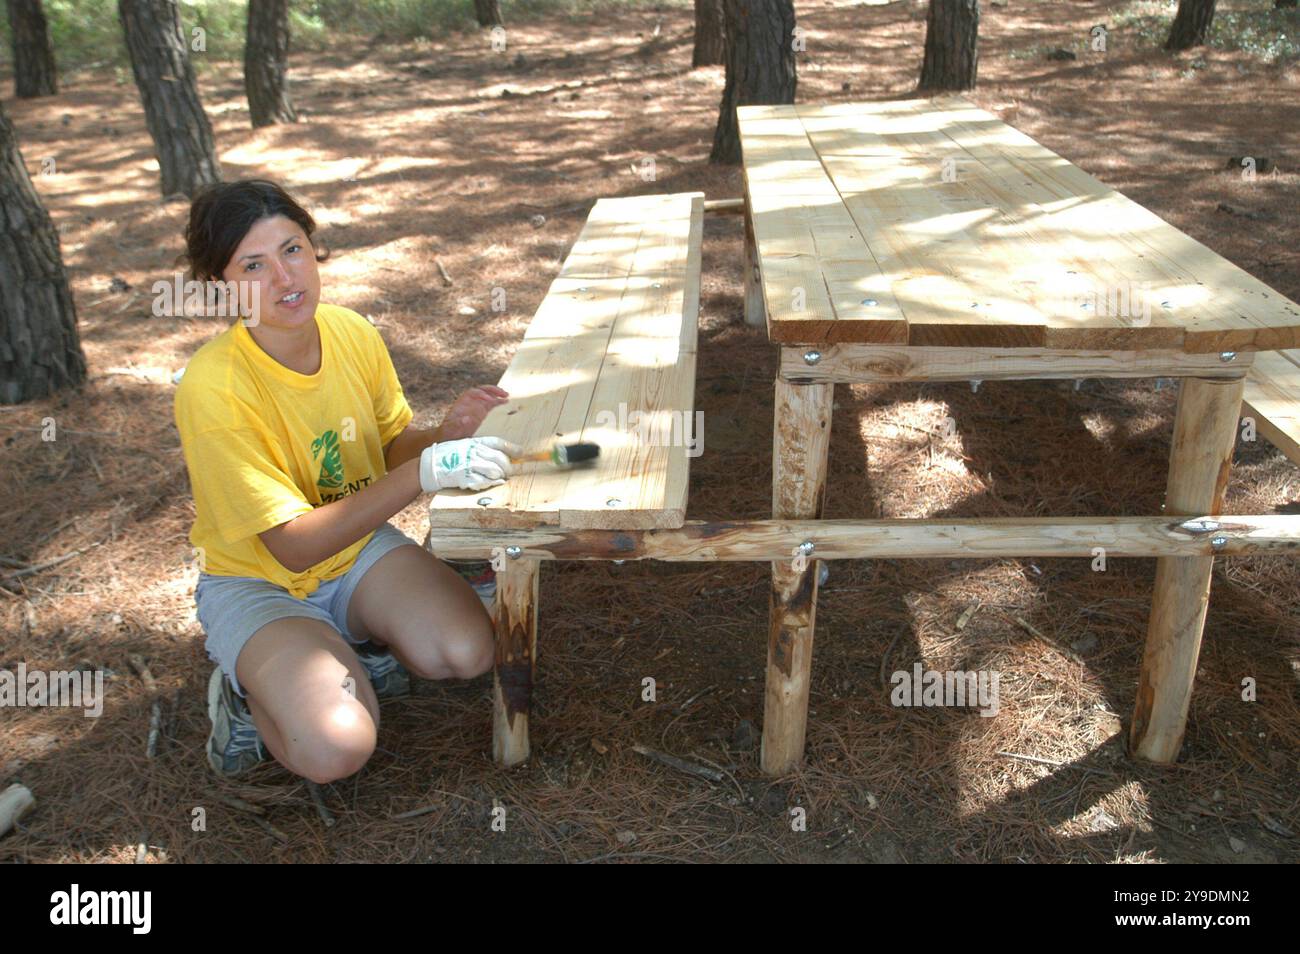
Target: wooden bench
[
  {"x": 1273, "y": 397},
  {"x": 609, "y": 357}
]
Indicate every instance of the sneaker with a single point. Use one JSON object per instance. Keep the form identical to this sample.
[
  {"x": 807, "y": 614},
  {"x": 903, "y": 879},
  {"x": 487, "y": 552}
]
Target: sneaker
[
  {"x": 480, "y": 575},
  {"x": 389, "y": 677},
  {"x": 234, "y": 744}
]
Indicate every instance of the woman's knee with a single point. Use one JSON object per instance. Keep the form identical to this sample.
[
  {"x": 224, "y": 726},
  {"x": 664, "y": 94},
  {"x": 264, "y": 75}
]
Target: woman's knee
[
  {"x": 459, "y": 650},
  {"x": 335, "y": 741},
  {"x": 317, "y": 695}
]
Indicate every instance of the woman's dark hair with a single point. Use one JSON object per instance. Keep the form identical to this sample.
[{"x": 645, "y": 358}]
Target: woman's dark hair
[{"x": 221, "y": 216}]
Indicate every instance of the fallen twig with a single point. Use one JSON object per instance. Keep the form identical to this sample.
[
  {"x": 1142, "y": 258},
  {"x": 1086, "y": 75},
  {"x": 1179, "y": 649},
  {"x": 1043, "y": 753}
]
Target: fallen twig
[
  {"x": 415, "y": 812},
  {"x": 319, "y": 800},
  {"x": 446, "y": 279},
  {"x": 1036, "y": 759},
  {"x": 672, "y": 761},
  {"x": 48, "y": 564}
]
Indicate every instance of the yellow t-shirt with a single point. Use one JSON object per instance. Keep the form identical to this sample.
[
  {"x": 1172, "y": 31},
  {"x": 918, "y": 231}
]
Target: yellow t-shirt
[{"x": 264, "y": 444}]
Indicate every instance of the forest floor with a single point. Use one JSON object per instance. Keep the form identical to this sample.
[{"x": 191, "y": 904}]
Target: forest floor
[{"x": 446, "y": 149}]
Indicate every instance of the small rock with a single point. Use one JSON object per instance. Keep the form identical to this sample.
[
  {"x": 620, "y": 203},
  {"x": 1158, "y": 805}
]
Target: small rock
[
  {"x": 1237, "y": 845},
  {"x": 1085, "y": 645},
  {"x": 599, "y": 746},
  {"x": 742, "y": 739},
  {"x": 1102, "y": 821},
  {"x": 537, "y": 221},
  {"x": 466, "y": 310},
  {"x": 625, "y": 837},
  {"x": 1061, "y": 54},
  {"x": 116, "y": 619},
  {"x": 119, "y": 284},
  {"x": 66, "y": 119}
]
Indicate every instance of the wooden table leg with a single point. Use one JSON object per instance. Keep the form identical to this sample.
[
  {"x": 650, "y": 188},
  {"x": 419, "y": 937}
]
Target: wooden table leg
[
  {"x": 516, "y": 656},
  {"x": 755, "y": 309},
  {"x": 801, "y": 437},
  {"x": 1205, "y": 431}
]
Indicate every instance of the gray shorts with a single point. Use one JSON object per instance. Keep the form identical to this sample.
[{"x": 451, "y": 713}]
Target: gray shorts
[{"x": 232, "y": 608}]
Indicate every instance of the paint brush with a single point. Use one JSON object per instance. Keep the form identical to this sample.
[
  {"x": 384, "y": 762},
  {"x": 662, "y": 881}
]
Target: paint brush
[{"x": 561, "y": 455}]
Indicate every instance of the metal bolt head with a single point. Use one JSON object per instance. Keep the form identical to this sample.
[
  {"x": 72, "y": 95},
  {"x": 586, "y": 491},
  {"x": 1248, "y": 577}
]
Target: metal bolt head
[
  {"x": 613, "y": 502},
  {"x": 618, "y": 562},
  {"x": 1219, "y": 542},
  {"x": 806, "y": 547},
  {"x": 870, "y": 301},
  {"x": 1200, "y": 525},
  {"x": 1226, "y": 356},
  {"x": 655, "y": 285},
  {"x": 513, "y": 552},
  {"x": 484, "y": 501},
  {"x": 811, "y": 357}
]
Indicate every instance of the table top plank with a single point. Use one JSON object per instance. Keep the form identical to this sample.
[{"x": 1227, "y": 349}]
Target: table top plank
[{"x": 982, "y": 236}]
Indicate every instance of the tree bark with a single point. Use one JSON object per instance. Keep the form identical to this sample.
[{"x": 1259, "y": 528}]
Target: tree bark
[
  {"x": 710, "y": 34},
  {"x": 160, "y": 59},
  {"x": 1191, "y": 24},
  {"x": 487, "y": 12},
  {"x": 40, "y": 352},
  {"x": 760, "y": 66},
  {"x": 951, "y": 45},
  {"x": 33, "y": 56},
  {"x": 266, "y": 63}
]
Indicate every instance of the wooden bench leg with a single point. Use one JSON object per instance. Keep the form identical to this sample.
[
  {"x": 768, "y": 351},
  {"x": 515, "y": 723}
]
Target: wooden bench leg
[
  {"x": 755, "y": 309},
  {"x": 516, "y": 657},
  {"x": 1205, "y": 431},
  {"x": 801, "y": 437}
]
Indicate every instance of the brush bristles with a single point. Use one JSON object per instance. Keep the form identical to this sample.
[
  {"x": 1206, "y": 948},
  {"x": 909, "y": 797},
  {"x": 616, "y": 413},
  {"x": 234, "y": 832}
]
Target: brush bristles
[{"x": 576, "y": 453}]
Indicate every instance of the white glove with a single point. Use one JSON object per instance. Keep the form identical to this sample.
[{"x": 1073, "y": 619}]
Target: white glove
[{"x": 472, "y": 463}]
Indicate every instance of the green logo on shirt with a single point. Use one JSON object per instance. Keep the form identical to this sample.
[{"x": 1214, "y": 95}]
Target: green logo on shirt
[{"x": 331, "y": 467}]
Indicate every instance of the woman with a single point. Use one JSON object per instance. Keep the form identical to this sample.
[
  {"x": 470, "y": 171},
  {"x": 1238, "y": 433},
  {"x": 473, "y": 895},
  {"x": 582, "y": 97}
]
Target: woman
[{"x": 299, "y": 447}]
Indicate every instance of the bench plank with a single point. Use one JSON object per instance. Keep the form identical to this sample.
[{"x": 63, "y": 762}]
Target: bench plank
[
  {"x": 1273, "y": 397},
  {"x": 613, "y": 341}
]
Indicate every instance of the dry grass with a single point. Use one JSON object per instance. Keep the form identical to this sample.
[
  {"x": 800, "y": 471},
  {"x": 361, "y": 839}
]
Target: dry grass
[{"x": 410, "y": 153}]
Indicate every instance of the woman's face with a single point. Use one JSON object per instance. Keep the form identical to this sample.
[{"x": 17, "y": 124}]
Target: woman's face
[{"x": 277, "y": 256}]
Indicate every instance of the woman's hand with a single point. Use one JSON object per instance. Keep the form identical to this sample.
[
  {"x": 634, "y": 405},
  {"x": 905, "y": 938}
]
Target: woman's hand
[
  {"x": 472, "y": 463},
  {"x": 468, "y": 411}
]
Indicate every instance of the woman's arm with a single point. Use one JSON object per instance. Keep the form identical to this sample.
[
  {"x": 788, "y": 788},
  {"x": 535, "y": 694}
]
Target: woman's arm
[
  {"x": 309, "y": 538},
  {"x": 463, "y": 420},
  {"x": 410, "y": 444}
]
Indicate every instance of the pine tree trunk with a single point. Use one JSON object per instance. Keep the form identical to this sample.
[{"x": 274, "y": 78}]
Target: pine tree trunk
[
  {"x": 760, "y": 66},
  {"x": 266, "y": 63},
  {"x": 1191, "y": 24},
  {"x": 951, "y": 45},
  {"x": 710, "y": 34},
  {"x": 160, "y": 59},
  {"x": 40, "y": 352},
  {"x": 487, "y": 12},
  {"x": 33, "y": 56}
]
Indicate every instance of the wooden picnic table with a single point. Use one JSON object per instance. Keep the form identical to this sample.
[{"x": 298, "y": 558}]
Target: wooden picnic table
[{"x": 927, "y": 240}]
